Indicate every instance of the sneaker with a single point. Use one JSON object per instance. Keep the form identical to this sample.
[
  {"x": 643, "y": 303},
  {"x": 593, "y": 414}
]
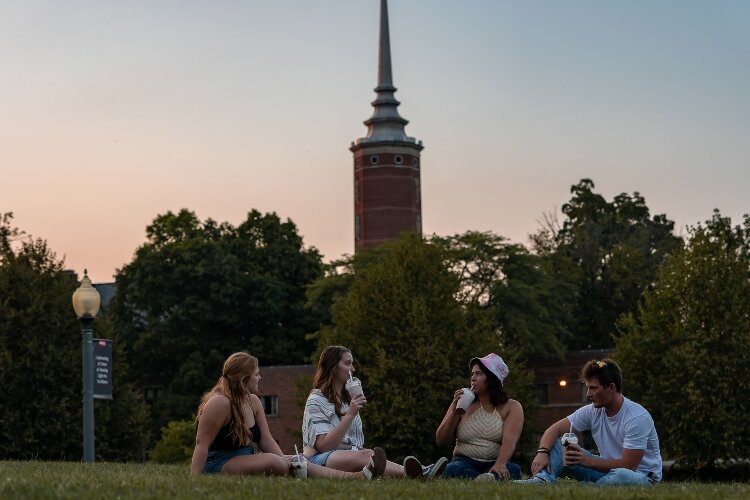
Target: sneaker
[
  {"x": 376, "y": 467},
  {"x": 413, "y": 468},
  {"x": 531, "y": 480},
  {"x": 435, "y": 470},
  {"x": 487, "y": 476}
]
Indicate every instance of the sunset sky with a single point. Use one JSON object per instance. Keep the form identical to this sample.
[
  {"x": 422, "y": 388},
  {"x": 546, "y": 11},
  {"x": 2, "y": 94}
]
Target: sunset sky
[{"x": 114, "y": 112}]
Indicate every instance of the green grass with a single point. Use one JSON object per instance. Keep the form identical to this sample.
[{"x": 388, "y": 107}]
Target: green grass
[{"x": 29, "y": 480}]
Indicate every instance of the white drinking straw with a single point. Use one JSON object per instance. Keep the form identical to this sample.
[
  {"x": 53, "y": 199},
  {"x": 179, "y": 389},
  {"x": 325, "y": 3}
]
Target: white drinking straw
[
  {"x": 350, "y": 376},
  {"x": 571, "y": 428},
  {"x": 299, "y": 460}
]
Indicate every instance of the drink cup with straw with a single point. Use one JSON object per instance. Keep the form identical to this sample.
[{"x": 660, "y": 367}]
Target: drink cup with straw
[
  {"x": 569, "y": 438},
  {"x": 354, "y": 386},
  {"x": 465, "y": 400},
  {"x": 299, "y": 465}
]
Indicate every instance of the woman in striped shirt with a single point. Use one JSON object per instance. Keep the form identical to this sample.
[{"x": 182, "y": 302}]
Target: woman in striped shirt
[{"x": 332, "y": 427}]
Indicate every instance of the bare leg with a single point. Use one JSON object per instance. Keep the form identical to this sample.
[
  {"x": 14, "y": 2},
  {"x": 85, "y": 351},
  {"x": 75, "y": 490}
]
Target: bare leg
[
  {"x": 349, "y": 461},
  {"x": 394, "y": 469},
  {"x": 315, "y": 470},
  {"x": 265, "y": 463},
  {"x": 353, "y": 461}
]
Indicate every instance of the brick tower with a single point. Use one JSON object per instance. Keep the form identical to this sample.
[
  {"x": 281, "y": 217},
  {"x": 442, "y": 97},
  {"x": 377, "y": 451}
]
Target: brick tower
[{"x": 386, "y": 163}]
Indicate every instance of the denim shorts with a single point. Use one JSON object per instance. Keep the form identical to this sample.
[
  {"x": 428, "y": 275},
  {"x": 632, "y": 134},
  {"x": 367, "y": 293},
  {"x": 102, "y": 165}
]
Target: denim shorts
[
  {"x": 320, "y": 458},
  {"x": 216, "y": 459}
]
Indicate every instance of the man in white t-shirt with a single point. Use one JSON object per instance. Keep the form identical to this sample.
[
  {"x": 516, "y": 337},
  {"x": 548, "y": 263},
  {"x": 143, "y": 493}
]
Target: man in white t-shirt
[{"x": 623, "y": 431}]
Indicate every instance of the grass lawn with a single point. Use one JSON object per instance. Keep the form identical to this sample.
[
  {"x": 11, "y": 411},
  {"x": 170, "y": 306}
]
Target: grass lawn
[{"x": 29, "y": 480}]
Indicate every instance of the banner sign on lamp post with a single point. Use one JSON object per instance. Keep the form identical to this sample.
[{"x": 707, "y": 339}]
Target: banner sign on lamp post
[{"x": 102, "y": 369}]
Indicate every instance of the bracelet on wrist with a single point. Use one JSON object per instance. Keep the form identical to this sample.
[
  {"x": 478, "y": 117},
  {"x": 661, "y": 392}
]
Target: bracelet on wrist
[{"x": 542, "y": 450}]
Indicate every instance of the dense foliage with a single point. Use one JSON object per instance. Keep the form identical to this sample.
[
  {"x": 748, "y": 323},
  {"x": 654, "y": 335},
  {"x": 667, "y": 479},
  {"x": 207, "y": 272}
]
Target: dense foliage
[
  {"x": 176, "y": 443},
  {"x": 197, "y": 291},
  {"x": 411, "y": 339},
  {"x": 40, "y": 364},
  {"x": 687, "y": 349},
  {"x": 610, "y": 252}
]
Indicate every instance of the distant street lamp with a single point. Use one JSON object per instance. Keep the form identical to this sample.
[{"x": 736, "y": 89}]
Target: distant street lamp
[{"x": 86, "y": 305}]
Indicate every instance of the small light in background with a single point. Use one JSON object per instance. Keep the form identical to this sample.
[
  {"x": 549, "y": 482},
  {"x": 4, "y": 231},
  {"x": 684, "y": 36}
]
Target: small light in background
[{"x": 563, "y": 383}]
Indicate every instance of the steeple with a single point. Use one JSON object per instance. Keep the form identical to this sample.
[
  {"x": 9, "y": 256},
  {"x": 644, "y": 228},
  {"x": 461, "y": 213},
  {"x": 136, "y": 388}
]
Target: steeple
[
  {"x": 385, "y": 124},
  {"x": 387, "y": 164}
]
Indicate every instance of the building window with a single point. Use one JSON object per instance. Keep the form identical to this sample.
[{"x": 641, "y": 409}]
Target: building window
[
  {"x": 419, "y": 223},
  {"x": 374, "y": 160},
  {"x": 356, "y": 227},
  {"x": 398, "y": 159},
  {"x": 270, "y": 405},
  {"x": 356, "y": 191},
  {"x": 542, "y": 396},
  {"x": 151, "y": 394},
  {"x": 417, "y": 191},
  {"x": 415, "y": 162}
]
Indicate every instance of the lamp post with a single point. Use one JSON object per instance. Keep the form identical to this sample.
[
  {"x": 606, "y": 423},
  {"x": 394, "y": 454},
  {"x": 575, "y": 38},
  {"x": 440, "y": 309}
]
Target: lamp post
[{"x": 86, "y": 304}]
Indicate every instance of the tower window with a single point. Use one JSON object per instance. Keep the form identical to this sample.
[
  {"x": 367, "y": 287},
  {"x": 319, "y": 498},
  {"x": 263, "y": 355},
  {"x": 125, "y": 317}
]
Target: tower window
[
  {"x": 356, "y": 227},
  {"x": 374, "y": 160},
  {"x": 398, "y": 159},
  {"x": 415, "y": 162}
]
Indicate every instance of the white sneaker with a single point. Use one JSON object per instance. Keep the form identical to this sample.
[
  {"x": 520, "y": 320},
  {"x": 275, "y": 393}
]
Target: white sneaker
[
  {"x": 531, "y": 480},
  {"x": 487, "y": 476},
  {"x": 376, "y": 467},
  {"x": 413, "y": 468},
  {"x": 435, "y": 470}
]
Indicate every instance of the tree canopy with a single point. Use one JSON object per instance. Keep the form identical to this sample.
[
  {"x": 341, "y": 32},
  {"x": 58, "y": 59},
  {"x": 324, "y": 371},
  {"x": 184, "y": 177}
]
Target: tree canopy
[
  {"x": 197, "y": 291},
  {"x": 411, "y": 339},
  {"x": 40, "y": 364},
  {"x": 686, "y": 350},
  {"x": 527, "y": 306},
  {"x": 610, "y": 251}
]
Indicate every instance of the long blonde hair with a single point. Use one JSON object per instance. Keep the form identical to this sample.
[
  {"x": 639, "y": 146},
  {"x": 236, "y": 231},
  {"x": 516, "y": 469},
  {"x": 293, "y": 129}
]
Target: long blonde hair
[
  {"x": 237, "y": 368},
  {"x": 327, "y": 363}
]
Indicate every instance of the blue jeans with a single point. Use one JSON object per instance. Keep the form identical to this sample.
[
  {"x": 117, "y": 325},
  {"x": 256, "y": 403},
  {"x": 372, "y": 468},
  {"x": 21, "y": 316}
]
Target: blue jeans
[
  {"x": 468, "y": 468},
  {"x": 615, "y": 477},
  {"x": 216, "y": 459},
  {"x": 320, "y": 458}
]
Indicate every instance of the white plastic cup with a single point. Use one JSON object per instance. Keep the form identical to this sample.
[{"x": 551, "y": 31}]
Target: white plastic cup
[
  {"x": 299, "y": 467},
  {"x": 569, "y": 438},
  {"x": 354, "y": 386},
  {"x": 465, "y": 401}
]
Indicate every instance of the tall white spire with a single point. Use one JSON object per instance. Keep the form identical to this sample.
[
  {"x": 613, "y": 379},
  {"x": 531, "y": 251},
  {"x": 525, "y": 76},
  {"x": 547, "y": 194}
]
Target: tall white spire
[{"x": 385, "y": 124}]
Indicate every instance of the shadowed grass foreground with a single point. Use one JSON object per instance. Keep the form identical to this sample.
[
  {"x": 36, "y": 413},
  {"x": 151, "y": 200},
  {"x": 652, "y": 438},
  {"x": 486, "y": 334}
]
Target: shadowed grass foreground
[{"x": 114, "y": 480}]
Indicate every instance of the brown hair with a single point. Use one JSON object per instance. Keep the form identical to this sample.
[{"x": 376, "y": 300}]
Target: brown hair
[
  {"x": 323, "y": 381},
  {"x": 237, "y": 368},
  {"x": 605, "y": 371}
]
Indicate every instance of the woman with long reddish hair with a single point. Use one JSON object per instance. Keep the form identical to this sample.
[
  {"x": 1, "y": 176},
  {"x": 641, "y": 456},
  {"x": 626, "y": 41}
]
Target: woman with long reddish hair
[
  {"x": 332, "y": 431},
  {"x": 232, "y": 428}
]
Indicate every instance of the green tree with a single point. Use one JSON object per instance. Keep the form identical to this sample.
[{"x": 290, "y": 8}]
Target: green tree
[
  {"x": 528, "y": 307},
  {"x": 40, "y": 364},
  {"x": 197, "y": 291},
  {"x": 176, "y": 443},
  {"x": 686, "y": 350},
  {"x": 411, "y": 340},
  {"x": 614, "y": 250}
]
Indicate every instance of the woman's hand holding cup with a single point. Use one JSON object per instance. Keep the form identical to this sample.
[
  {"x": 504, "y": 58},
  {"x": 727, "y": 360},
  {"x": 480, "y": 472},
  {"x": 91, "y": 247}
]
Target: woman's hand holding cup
[{"x": 356, "y": 404}]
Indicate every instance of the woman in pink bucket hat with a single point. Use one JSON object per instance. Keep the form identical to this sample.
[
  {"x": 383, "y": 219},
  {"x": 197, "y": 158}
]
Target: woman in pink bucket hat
[{"x": 485, "y": 435}]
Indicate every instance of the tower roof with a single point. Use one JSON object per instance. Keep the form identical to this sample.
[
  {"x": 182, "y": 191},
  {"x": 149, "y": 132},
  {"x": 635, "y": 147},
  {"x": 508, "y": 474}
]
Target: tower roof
[{"x": 385, "y": 124}]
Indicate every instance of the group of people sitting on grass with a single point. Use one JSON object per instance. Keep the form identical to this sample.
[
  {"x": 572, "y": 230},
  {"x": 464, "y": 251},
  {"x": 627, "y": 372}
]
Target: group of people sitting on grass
[{"x": 232, "y": 430}]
